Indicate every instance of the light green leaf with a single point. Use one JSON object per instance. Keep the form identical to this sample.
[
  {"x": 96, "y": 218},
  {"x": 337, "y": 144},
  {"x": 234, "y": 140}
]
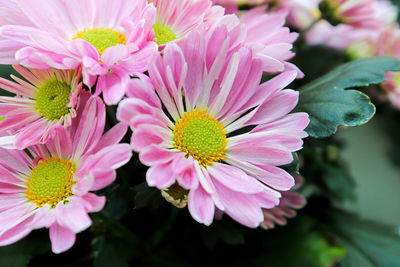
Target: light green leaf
[{"x": 330, "y": 105}]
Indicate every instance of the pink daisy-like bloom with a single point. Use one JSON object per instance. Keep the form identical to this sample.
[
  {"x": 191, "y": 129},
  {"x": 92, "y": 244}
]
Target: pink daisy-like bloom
[
  {"x": 338, "y": 37},
  {"x": 272, "y": 44},
  {"x": 290, "y": 201},
  {"x": 50, "y": 187},
  {"x": 343, "y": 36},
  {"x": 356, "y": 13},
  {"x": 199, "y": 148},
  {"x": 175, "y": 19},
  {"x": 46, "y": 99},
  {"x": 108, "y": 38}
]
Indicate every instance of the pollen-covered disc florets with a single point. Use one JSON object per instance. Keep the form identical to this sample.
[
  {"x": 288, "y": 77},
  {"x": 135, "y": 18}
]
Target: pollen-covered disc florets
[
  {"x": 50, "y": 182},
  {"x": 163, "y": 34},
  {"x": 101, "y": 38},
  {"x": 200, "y": 136},
  {"x": 52, "y": 99}
]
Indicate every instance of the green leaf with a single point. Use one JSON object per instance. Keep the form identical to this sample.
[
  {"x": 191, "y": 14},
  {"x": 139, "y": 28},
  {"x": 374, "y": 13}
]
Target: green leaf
[
  {"x": 368, "y": 244},
  {"x": 330, "y": 105},
  {"x": 320, "y": 252},
  {"x": 326, "y": 170},
  {"x": 300, "y": 244}
]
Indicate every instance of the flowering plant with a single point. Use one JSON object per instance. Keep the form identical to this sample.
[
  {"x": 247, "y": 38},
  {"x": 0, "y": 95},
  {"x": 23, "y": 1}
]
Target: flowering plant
[{"x": 153, "y": 131}]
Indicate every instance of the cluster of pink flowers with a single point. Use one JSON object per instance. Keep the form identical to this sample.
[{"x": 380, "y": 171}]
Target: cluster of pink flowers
[
  {"x": 365, "y": 28},
  {"x": 361, "y": 28},
  {"x": 187, "y": 81}
]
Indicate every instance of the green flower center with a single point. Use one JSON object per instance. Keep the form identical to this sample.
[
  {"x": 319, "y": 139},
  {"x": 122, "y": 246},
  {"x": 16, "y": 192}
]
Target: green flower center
[
  {"x": 101, "y": 38},
  {"x": 52, "y": 99},
  {"x": 200, "y": 136},
  {"x": 163, "y": 34},
  {"x": 50, "y": 182}
]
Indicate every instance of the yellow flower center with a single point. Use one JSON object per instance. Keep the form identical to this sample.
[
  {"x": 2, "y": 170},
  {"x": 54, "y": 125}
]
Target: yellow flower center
[
  {"x": 163, "y": 34},
  {"x": 200, "y": 136},
  {"x": 50, "y": 182},
  {"x": 101, "y": 38},
  {"x": 52, "y": 99}
]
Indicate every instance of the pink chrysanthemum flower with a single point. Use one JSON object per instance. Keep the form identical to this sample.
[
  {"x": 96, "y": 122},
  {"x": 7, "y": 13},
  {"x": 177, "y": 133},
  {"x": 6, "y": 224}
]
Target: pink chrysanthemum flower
[
  {"x": 46, "y": 99},
  {"x": 50, "y": 187},
  {"x": 175, "y": 19},
  {"x": 338, "y": 37},
  {"x": 272, "y": 44},
  {"x": 356, "y": 13},
  {"x": 199, "y": 148},
  {"x": 290, "y": 201},
  {"x": 343, "y": 36},
  {"x": 108, "y": 38}
]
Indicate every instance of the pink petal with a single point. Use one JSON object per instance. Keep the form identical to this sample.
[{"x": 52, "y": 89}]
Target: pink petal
[
  {"x": 160, "y": 175},
  {"x": 143, "y": 89},
  {"x": 111, "y": 137},
  {"x": 234, "y": 178},
  {"x": 276, "y": 177},
  {"x": 147, "y": 135},
  {"x": 61, "y": 238},
  {"x": 102, "y": 179},
  {"x": 90, "y": 127},
  {"x": 15, "y": 234},
  {"x": 73, "y": 215},
  {"x": 93, "y": 203},
  {"x": 113, "y": 85},
  {"x": 112, "y": 157},
  {"x": 61, "y": 144},
  {"x": 43, "y": 218},
  {"x": 241, "y": 207},
  {"x": 201, "y": 206},
  {"x": 155, "y": 155},
  {"x": 129, "y": 108},
  {"x": 273, "y": 154},
  {"x": 277, "y": 107}
]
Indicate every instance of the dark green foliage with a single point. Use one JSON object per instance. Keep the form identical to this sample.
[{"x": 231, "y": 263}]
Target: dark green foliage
[
  {"x": 330, "y": 105},
  {"x": 367, "y": 243},
  {"x": 326, "y": 171}
]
